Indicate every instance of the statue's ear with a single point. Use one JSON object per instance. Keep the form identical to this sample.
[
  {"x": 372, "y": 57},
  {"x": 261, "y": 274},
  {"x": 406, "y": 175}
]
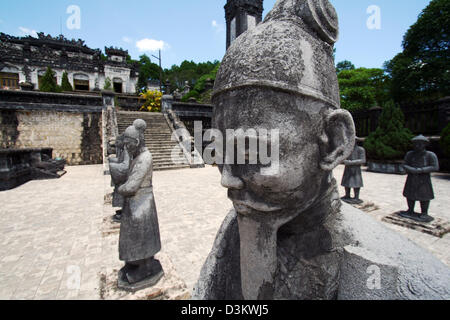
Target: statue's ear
[{"x": 337, "y": 140}]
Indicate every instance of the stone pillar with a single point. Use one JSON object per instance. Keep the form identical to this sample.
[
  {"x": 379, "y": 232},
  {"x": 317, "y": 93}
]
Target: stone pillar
[
  {"x": 166, "y": 103},
  {"x": 240, "y": 16},
  {"x": 110, "y": 128}
]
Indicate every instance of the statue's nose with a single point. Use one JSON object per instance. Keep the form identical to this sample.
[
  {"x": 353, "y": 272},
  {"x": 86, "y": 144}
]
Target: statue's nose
[{"x": 229, "y": 181}]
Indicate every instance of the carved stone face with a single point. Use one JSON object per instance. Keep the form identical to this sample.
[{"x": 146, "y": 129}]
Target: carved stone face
[
  {"x": 419, "y": 146},
  {"x": 132, "y": 145},
  {"x": 300, "y": 123}
]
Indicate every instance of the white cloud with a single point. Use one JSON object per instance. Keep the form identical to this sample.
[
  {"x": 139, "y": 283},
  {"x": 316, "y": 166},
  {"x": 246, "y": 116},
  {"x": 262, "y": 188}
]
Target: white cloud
[
  {"x": 28, "y": 32},
  {"x": 1, "y": 21},
  {"x": 219, "y": 27},
  {"x": 127, "y": 39},
  {"x": 151, "y": 45}
]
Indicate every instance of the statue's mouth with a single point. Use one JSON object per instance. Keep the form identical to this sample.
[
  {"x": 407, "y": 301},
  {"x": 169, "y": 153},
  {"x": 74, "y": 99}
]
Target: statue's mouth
[{"x": 244, "y": 203}]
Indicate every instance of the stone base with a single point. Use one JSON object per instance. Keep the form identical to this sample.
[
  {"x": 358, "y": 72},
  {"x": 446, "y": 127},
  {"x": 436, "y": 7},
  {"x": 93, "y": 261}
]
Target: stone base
[
  {"x": 352, "y": 200},
  {"x": 146, "y": 283},
  {"x": 386, "y": 167},
  {"x": 437, "y": 227},
  {"x": 416, "y": 216}
]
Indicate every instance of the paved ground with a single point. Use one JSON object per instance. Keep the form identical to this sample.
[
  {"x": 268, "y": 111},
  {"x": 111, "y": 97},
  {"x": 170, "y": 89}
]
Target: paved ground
[
  {"x": 52, "y": 244},
  {"x": 386, "y": 192}
]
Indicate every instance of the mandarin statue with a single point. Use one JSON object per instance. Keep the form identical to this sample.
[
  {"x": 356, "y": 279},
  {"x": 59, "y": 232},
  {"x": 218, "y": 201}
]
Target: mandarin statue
[
  {"x": 139, "y": 239},
  {"x": 419, "y": 163},
  {"x": 352, "y": 177},
  {"x": 289, "y": 236},
  {"x": 116, "y": 181}
]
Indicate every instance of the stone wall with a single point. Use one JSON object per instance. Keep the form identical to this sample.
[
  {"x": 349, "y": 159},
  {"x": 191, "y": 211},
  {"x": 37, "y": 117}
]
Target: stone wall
[{"x": 73, "y": 131}]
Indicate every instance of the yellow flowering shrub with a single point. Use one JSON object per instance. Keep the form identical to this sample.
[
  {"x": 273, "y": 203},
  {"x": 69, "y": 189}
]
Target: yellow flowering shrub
[{"x": 152, "y": 101}]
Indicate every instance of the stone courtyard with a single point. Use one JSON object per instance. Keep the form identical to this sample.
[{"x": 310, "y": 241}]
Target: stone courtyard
[{"x": 57, "y": 240}]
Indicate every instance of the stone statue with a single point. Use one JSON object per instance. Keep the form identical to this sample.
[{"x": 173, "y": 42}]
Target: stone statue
[
  {"x": 289, "y": 235},
  {"x": 352, "y": 177},
  {"x": 139, "y": 231},
  {"x": 177, "y": 95},
  {"x": 187, "y": 88},
  {"x": 419, "y": 163},
  {"x": 121, "y": 166}
]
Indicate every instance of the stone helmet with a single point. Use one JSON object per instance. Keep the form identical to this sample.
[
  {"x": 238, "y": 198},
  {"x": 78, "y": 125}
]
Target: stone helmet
[
  {"x": 292, "y": 50},
  {"x": 420, "y": 138},
  {"x": 133, "y": 133}
]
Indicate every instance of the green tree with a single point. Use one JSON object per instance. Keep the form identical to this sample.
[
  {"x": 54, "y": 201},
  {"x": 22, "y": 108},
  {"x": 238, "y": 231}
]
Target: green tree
[
  {"x": 147, "y": 71},
  {"x": 344, "y": 65},
  {"x": 108, "y": 84},
  {"x": 48, "y": 83},
  {"x": 189, "y": 71},
  {"x": 65, "y": 84},
  {"x": 445, "y": 140},
  {"x": 362, "y": 88},
  {"x": 391, "y": 140},
  {"x": 200, "y": 92},
  {"x": 420, "y": 72}
]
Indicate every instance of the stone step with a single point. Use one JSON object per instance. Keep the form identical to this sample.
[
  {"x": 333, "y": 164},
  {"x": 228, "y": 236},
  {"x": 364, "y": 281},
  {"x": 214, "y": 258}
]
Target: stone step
[
  {"x": 174, "y": 167},
  {"x": 169, "y": 162},
  {"x": 158, "y": 139}
]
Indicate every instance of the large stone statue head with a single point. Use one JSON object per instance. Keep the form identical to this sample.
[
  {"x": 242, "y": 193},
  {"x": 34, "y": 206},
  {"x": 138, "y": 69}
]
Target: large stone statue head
[
  {"x": 281, "y": 75},
  {"x": 132, "y": 140}
]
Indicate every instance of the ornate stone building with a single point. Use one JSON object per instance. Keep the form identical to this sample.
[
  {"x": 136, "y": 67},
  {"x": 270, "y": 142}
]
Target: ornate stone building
[
  {"x": 242, "y": 15},
  {"x": 25, "y": 59}
]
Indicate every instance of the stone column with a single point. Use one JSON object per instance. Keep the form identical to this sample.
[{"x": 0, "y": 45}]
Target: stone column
[
  {"x": 166, "y": 103},
  {"x": 109, "y": 124}
]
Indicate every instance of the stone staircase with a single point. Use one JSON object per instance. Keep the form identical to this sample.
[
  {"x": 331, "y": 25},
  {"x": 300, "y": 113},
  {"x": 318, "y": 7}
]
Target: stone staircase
[{"x": 157, "y": 139}]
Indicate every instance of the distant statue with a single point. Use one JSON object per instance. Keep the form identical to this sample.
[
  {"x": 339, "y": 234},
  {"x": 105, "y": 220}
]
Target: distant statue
[
  {"x": 120, "y": 165},
  {"x": 419, "y": 163},
  {"x": 352, "y": 177},
  {"x": 139, "y": 239},
  {"x": 177, "y": 95},
  {"x": 187, "y": 88}
]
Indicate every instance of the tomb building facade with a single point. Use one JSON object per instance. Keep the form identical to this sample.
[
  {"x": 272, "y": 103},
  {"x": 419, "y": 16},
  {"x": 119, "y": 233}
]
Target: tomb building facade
[{"x": 25, "y": 60}]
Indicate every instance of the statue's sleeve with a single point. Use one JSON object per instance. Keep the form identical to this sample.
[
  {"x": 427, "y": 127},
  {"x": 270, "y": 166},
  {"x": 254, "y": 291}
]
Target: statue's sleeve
[
  {"x": 361, "y": 158},
  {"x": 136, "y": 176},
  {"x": 433, "y": 163},
  {"x": 119, "y": 170},
  {"x": 407, "y": 159}
]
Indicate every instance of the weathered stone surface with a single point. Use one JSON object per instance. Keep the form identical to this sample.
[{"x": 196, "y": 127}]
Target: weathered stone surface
[
  {"x": 139, "y": 230},
  {"x": 296, "y": 240},
  {"x": 75, "y": 137}
]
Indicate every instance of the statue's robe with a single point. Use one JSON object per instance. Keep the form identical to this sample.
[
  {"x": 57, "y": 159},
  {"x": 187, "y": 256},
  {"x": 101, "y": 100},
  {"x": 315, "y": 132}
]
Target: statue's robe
[
  {"x": 352, "y": 177},
  {"x": 139, "y": 229},
  {"x": 118, "y": 177},
  {"x": 418, "y": 187},
  {"x": 349, "y": 256}
]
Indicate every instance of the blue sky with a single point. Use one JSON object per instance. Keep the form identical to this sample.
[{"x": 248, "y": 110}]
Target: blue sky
[{"x": 195, "y": 29}]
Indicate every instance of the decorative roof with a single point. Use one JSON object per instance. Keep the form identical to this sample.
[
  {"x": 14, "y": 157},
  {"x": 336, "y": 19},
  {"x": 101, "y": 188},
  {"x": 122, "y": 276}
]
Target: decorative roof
[{"x": 114, "y": 51}]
